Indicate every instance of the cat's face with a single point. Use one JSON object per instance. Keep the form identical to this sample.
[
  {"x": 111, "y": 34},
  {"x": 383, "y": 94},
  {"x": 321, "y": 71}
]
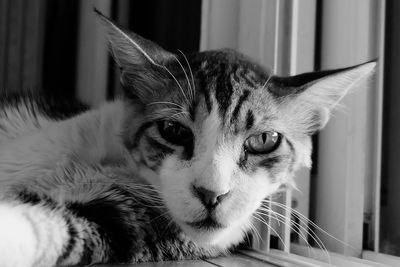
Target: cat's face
[
  {"x": 217, "y": 132},
  {"x": 222, "y": 150}
]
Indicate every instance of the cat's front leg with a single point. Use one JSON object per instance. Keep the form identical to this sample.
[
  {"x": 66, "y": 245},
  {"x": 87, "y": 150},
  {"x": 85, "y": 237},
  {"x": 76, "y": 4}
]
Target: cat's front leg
[
  {"x": 30, "y": 235},
  {"x": 37, "y": 232}
]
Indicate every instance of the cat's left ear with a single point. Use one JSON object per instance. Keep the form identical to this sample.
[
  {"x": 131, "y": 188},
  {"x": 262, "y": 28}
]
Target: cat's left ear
[
  {"x": 142, "y": 62},
  {"x": 310, "y": 97}
]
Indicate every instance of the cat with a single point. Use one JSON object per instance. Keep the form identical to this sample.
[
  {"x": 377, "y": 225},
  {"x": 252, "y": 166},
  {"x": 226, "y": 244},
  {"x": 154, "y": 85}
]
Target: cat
[{"x": 174, "y": 169}]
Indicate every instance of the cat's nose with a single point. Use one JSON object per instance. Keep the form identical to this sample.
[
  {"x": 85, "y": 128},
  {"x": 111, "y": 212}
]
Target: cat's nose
[{"x": 209, "y": 198}]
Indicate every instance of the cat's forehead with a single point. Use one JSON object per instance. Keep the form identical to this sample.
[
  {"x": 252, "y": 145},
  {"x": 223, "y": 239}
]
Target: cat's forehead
[
  {"x": 235, "y": 85},
  {"x": 224, "y": 81},
  {"x": 230, "y": 64}
]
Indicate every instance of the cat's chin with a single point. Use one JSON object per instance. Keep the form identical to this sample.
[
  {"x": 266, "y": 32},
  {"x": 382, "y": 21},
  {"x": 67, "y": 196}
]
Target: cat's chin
[{"x": 214, "y": 235}]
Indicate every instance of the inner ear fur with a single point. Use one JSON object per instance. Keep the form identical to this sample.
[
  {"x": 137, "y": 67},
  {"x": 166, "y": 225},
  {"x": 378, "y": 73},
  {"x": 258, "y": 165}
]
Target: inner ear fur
[
  {"x": 312, "y": 96},
  {"x": 141, "y": 61}
]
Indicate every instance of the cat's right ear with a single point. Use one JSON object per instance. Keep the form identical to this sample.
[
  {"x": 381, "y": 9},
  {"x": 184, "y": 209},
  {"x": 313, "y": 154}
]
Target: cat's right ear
[{"x": 141, "y": 61}]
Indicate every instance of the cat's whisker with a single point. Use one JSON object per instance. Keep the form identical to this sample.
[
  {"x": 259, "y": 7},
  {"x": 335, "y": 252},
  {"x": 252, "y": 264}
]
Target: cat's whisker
[
  {"x": 191, "y": 73},
  {"x": 171, "y": 109},
  {"x": 179, "y": 85},
  {"x": 311, "y": 233},
  {"x": 309, "y": 247},
  {"x": 299, "y": 228},
  {"x": 166, "y": 103},
  {"x": 162, "y": 113},
  {"x": 298, "y": 225},
  {"x": 191, "y": 96},
  {"x": 188, "y": 101},
  {"x": 255, "y": 231},
  {"x": 269, "y": 211},
  {"x": 308, "y": 221},
  {"x": 169, "y": 72},
  {"x": 261, "y": 219},
  {"x": 246, "y": 233},
  {"x": 174, "y": 116},
  {"x": 170, "y": 112}
]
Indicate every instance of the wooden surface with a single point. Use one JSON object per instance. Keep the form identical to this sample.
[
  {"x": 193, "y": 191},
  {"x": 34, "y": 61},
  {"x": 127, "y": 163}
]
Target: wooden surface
[
  {"x": 162, "y": 264},
  {"x": 254, "y": 258},
  {"x": 238, "y": 260}
]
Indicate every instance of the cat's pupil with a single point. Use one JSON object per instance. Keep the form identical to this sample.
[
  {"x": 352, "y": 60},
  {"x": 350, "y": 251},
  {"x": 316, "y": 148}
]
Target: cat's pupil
[
  {"x": 262, "y": 143},
  {"x": 174, "y": 132}
]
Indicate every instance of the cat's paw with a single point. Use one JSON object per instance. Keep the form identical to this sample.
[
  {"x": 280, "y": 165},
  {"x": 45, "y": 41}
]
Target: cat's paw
[{"x": 17, "y": 238}]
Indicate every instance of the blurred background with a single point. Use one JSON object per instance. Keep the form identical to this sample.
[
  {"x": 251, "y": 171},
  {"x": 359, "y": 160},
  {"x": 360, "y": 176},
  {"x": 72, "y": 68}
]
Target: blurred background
[
  {"x": 48, "y": 44},
  {"x": 57, "y": 47}
]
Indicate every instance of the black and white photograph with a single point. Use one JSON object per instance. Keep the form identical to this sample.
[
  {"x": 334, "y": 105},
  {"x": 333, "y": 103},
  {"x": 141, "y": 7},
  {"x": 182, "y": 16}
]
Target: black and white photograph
[{"x": 199, "y": 133}]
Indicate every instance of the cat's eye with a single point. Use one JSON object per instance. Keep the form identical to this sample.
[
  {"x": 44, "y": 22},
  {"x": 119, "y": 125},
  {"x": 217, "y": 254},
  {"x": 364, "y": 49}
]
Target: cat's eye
[
  {"x": 262, "y": 143},
  {"x": 174, "y": 132}
]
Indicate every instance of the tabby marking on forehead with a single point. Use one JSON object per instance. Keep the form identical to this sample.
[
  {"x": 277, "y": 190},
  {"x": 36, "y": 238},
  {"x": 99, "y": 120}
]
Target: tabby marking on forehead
[
  {"x": 239, "y": 104},
  {"x": 249, "y": 119}
]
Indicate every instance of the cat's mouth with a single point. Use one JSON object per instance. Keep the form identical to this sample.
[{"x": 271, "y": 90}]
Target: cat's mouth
[{"x": 208, "y": 223}]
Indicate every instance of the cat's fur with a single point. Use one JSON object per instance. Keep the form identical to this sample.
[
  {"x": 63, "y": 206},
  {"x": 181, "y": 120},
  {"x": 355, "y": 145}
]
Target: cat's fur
[{"x": 105, "y": 186}]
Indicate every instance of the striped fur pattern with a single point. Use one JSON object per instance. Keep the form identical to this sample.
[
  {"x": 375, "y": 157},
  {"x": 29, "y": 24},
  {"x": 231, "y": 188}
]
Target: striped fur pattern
[{"x": 168, "y": 171}]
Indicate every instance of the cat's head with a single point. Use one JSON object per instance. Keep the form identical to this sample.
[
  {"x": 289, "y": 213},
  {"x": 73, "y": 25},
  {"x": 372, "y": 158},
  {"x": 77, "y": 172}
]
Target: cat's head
[{"x": 217, "y": 132}]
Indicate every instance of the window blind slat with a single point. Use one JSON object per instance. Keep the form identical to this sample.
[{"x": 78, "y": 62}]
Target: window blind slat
[{"x": 14, "y": 52}]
